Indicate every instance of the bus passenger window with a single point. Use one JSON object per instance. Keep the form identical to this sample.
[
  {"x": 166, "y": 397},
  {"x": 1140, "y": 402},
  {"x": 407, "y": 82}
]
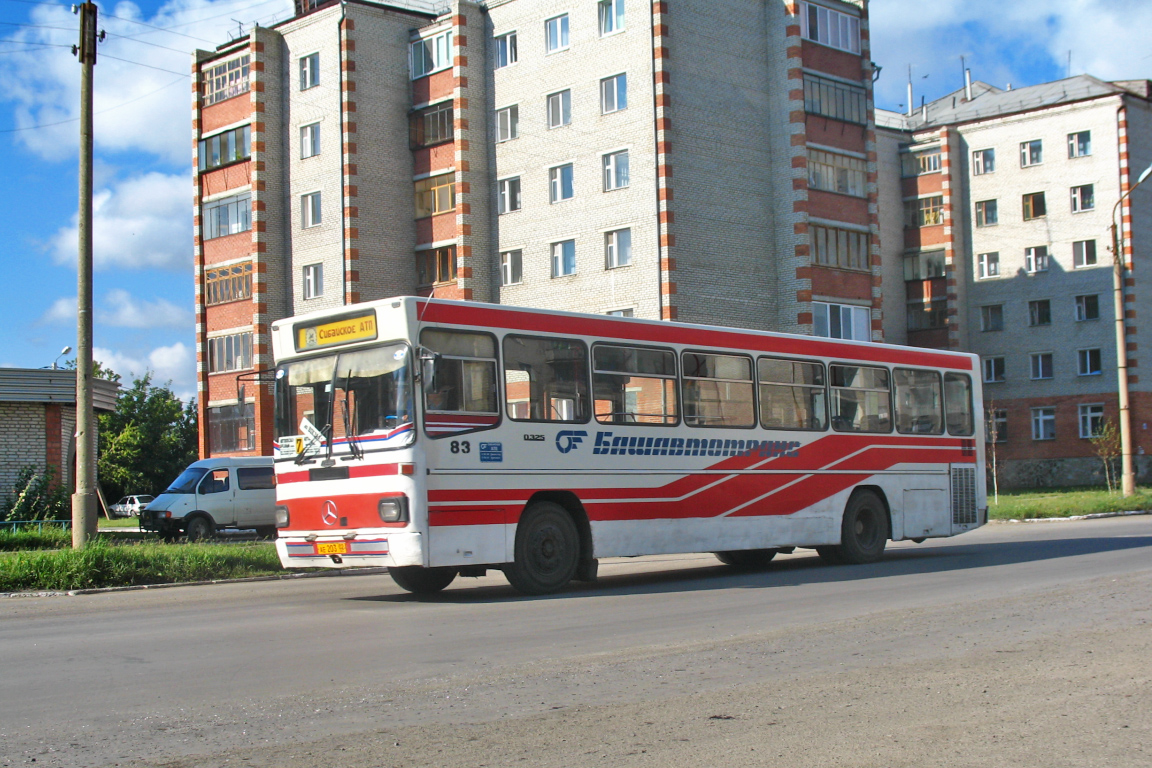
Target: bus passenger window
[
  {"x": 718, "y": 391},
  {"x": 545, "y": 379},
  {"x": 918, "y": 402},
  {"x": 791, "y": 394},
  {"x": 464, "y": 373},
  {"x": 860, "y": 399},
  {"x": 633, "y": 385},
  {"x": 958, "y": 404}
]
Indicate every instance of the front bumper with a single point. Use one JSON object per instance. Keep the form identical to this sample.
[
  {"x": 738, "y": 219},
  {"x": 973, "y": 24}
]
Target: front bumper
[
  {"x": 367, "y": 549},
  {"x": 157, "y": 521}
]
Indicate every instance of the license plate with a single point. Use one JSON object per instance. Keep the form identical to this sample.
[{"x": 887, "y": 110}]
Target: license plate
[{"x": 332, "y": 548}]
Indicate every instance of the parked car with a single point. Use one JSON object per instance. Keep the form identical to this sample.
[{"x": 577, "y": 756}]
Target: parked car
[
  {"x": 130, "y": 506},
  {"x": 213, "y": 494}
]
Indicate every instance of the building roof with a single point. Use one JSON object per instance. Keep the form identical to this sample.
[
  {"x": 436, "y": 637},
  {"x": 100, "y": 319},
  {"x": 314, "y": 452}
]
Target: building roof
[
  {"x": 989, "y": 102},
  {"x": 52, "y": 385}
]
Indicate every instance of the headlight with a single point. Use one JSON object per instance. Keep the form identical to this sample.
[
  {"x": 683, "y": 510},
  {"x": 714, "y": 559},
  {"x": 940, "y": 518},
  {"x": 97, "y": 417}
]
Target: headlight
[
  {"x": 394, "y": 509},
  {"x": 281, "y": 517}
]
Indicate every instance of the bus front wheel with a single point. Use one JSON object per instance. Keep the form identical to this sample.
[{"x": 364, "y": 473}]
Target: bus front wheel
[
  {"x": 547, "y": 550},
  {"x": 422, "y": 581}
]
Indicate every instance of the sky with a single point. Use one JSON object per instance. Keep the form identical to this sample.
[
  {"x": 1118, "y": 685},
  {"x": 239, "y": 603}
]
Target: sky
[{"x": 143, "y": 285}]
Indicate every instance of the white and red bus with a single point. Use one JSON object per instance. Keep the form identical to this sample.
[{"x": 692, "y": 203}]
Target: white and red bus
[{"x": 441, "y": 438}]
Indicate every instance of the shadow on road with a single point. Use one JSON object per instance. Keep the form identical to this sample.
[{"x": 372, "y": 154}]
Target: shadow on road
[{"x": 794, "y": 571}]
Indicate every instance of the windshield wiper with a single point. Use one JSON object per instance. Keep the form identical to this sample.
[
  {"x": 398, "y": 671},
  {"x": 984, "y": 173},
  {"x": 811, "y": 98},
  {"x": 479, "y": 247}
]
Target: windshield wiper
[{"x": 349, "y": 432}]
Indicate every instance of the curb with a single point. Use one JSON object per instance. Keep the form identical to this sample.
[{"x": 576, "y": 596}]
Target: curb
[
  {"x": 1094, "y": 516},
  {"x": 138, "y": 587}
]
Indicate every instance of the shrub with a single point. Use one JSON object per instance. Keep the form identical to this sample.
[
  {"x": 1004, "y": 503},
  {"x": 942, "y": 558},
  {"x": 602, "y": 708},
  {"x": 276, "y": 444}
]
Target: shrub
[{"x": 36, "y": 496}]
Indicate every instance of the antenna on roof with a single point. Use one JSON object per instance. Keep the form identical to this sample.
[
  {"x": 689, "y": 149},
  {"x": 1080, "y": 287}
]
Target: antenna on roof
[
  {"x": 1069, "y": 62},
  {"x": 911, "y": 103}
]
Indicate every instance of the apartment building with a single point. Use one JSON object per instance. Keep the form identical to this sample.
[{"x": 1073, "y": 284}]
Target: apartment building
[
  {"x": 997, "y": 207},
  {"x": 708, "y": 161}
]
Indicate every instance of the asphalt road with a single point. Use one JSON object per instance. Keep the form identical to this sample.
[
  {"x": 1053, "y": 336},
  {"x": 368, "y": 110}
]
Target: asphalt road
[{"x": 992, "y": 648}]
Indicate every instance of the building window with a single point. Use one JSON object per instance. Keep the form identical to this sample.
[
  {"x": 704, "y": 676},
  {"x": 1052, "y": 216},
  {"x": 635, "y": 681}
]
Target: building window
[
  {"x": 564, "y": 258},
  {"x": 430, "y": 126},
  {"x": 832, "y": 28},
  {"x": 1034, "y": 206},
  {"x": 1041, "y": 365},
  {"x": 435, "y": 194},
  {"x": 924, "y": 265},
  {"x": 834, "y": 99},
  {"x": 506, "y": 54},
  {"x": 621, "y": 312},
  {"x": 230, "y": 353},
  {"x": 559, "y": 109},
  {"x": 309, "y": 140},
  {"x": 556, "y": 33},
  {"x": 224, "y": 148},
  {"x": 313, "y": 281},
  {"x": 1036, "y": 259},
  {"x": 992, "y": 317},
  {"x": 228, "y": 216},
  {"x": 1043, "y": 423},
  {"x": 431, "y": 54},
  {"x": 1084, "y": 253},
  {"x": 225, "y": 80},
  {"x": 925, "y": 212},
  {"x": 618, "y": 248},
  {"x": 997, "y": 423},
  {"x": 1040, "y": 312},
  {"x": 511, "y": 267},
  {"x": 1079, "y": 144},
  {"x": 1031, "y": 153},
  {"x": 920, "y": 163},
  {"x": 1087, "y": 307},
  {"x": 611, "y": 16},
  {"x": 310, "y": 213},
  {"x": 836, "y": 173},
  {"x": 615, "y": 170},
  {"x": 232, "y": 428},
  {"x": 436, "y": 265},
  {"x": 839, "y": 247},
  {"x": 993, "y": 369},
  {"x": 988, "y": 265},
  {"x": 926, "y": 316},
  {"x": 508, "y": 195},
  {"x": 1083, "y": 198},
  {"x": 1091, "y": 420},
  {"x": 841, "y": 321},
  {"x": 983, "y": 161},
  {"x": 507, "y": 123},
  {"x": 560, "y": 183},
  {"x": 224, "y": 284},
  {"x": 986, "y": 213},
  {"x": 614, "y": 93},
  {"x": 309, "y": 71},
  {"x": 1088, "y": 362}
]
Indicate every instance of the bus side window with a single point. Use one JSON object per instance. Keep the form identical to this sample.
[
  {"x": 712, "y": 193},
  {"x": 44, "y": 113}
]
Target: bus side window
[
  {"x": 918, "y": 402},
  {"x": 958, "y": 404},
  {"x": 718, "y": 391},
  {"x": 634, "y": 385},
  {"x": 546, "y": 379},
  {"x": 860, "y": 399},
  {"x": 464, "y": 374},
  {"x": 791, "y": 394}
]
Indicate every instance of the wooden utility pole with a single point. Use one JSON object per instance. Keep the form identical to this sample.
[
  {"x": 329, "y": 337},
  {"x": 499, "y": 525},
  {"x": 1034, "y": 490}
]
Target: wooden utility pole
[{"x": 84, "y": 512}]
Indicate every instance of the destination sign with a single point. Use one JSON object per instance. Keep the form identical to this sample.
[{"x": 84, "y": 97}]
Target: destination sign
[{"x": 342, "y": 331}]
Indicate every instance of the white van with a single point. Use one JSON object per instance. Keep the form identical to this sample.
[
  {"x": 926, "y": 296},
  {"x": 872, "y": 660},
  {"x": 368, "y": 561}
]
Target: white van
[{"x": 212, "y": 494}]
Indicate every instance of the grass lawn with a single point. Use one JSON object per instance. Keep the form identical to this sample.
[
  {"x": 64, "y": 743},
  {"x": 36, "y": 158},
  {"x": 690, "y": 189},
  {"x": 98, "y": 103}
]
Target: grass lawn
[
  {"x": 118, "y": 522},
  {"x": 1064, "y": 502}
]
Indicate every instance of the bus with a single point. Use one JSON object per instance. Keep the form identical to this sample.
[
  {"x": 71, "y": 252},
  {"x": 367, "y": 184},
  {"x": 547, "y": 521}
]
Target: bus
[{"x": 445, "y": 438}]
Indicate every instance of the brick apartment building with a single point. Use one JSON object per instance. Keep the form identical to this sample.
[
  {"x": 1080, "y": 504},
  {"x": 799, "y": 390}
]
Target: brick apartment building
[
  {"x": 1004, "y": 249},
  {"x": 705, "y": 160}
]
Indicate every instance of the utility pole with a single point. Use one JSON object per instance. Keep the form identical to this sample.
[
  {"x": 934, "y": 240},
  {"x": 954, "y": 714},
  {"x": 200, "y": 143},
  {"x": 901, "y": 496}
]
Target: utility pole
[{"x": 84, "y": 499}]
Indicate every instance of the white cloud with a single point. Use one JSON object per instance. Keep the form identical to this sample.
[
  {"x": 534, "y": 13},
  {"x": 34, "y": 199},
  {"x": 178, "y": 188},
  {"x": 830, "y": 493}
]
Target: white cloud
[
  {"x": 141, "y": 222},
  {"x": 123, "y": 310},
  {"x": 62, "y": 311},
  {"x": 175, "y": 363}
]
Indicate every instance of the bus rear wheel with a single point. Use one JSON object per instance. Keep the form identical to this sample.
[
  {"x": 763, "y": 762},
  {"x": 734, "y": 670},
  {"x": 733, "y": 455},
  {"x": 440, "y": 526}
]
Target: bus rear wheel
[
  {"x": 747, "y": 559},
  {"x": 864, "y": 530},
  {"x": 422, "y": 581},
  {"x": 547, "y": 550}
]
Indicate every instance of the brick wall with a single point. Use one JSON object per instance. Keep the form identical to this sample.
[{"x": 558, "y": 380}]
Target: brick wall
[{"x": 22, "y": 441}]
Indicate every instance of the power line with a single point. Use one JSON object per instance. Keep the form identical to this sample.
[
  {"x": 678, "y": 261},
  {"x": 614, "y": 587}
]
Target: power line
[
  {"x": 141, "y": 64},
  {"x": 151, "y": 26},
  {"x": 108, "y": 109},
  {"x": 32, "y": 46},
  {"x": 145, "y": 42},
  {"x": 34, "y": 26}
]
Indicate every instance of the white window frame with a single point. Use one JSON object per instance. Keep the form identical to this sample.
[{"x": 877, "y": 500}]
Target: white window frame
[
  {"x": 1087, "y": 413},
  {"x": 615, "y": 170},
  {"x": 983, "y": 161},
  {"x": 991, "y": 366},
  {"x": 1080, "y": 307},
  {"x": 558, "y": 265},
  {"x": 988, "y": 265},
  {"x": 512, "y": 266},
  {"x": 508, "y": 195},
  {"x": 559, "y": 108},
  {"x": 438, "y": 47},
  {"x": 1042, "y": 418},
  {"x": 311, "y": 209},
  {"x": 309, "y": 71},
  {"x": 1036, "y": 368},
  {"x": 1026, "y": 160},
  {"x": 309, "y": 140},
  {"x": 1036, "y": 259},
  {"x": 1082, "y": 202},
  {"x": 837, "y": 173},
  {"x": 610, "y": 17},
  {"x": 226, "y": 79},
  {"x": 1080, "y": 260},
  {"x": 506, "y": 48},
  {"x": 824, "y": 320},
  {"x": 1074, "y": 145},
  {"x": 832, "y": 27},
  {"x": 507, "y": 123},
  {"x": 626, "y": 312},
  {"x": 312, "y": 281},
  {"x": 998, "y": 426},
  {"x": 240, "y": 204},
  {"x": 618, "y": 248},
  {"x": 237, "y": 345},
  {"x": 556, "y": 183},
  {"x": 563, "y": 38},
  {"x": 1084, "y": 362},
  {"x": 617, "y": 86}
]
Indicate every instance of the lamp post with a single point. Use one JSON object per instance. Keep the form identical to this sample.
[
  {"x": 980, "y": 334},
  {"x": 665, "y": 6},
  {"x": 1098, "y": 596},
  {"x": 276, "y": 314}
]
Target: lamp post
[{"x": 1127, "y": 476}]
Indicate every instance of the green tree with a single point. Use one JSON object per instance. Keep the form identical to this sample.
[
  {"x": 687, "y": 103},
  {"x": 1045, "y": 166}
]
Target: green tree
[{"x": 147, "y": 442}]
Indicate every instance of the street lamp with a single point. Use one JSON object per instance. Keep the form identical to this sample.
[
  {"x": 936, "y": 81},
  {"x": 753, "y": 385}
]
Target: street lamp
[
  {"x": 1127, "y": 477},
  {"x": 63, "y": 352}
]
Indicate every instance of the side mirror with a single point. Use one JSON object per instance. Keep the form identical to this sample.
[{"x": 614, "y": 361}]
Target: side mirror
[{"x": 428, "y": 360}]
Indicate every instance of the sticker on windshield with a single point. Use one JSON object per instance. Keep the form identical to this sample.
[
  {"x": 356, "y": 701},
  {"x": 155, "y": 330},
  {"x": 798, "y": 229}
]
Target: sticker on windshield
[{"x": 314, "y": 438}]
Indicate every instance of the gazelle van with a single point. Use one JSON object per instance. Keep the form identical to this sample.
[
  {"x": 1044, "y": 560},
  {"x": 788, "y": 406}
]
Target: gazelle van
[{"x": 213, "y": 494}]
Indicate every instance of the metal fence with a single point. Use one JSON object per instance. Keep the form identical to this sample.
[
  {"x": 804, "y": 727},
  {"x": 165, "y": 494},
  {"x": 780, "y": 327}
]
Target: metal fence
[{"x": 16, "y": 525}]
